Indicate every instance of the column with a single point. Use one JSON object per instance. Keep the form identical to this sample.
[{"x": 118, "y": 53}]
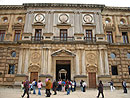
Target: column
[
  {"x": 44, "y": 61},
  {"x": 101, "y": 69},
  {"x": 77, "y": 62},
  {"x": 49, "y": 61},
  {"x": 26, "y": 61},
  {"x": 106, "y": 63},
  {"x": 83, "y": 63},
  {"x": 20, "y": 61}
]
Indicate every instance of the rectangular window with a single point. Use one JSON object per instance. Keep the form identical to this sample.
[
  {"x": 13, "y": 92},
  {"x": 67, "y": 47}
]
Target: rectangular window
[
  {"x": 89, "y": 35},
  {"x": 114, "y": 70},
  {"x": 109, "y": 37},
  {"x": 63, "y": 34},
  {"x": 2, "y": 35},
  {"x": 125, "y": 37},
  {"x": 17, "y": 35},
  {"x": 11, "y": 69},
  {"x": 129, "y": 69},
  {"x": 38, "y": 33}
]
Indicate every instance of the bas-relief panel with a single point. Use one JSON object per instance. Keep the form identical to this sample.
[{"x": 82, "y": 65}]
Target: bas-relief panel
[{"x": 91, "y": 61}]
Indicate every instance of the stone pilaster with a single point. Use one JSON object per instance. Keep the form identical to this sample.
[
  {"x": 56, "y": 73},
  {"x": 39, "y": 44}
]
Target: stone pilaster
[
  {"x": 49, "y": 61},
  {"x": 106, "y": 63},
  {"x": 101, "y": 68},
  {"x": 26, "y": 61},
  {"x": 42, "y": 62},
  {"x": 77, "y": 62},
  {"x": 20, "y": 61},
  {"x": 83, "y": 63}
]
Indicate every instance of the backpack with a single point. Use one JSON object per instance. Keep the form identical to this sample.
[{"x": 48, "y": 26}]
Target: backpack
[{"x": 35, "y": 83}]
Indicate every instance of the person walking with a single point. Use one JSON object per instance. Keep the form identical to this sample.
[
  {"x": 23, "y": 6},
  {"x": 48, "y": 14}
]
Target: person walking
[
  {"x": 55, "y": 85},
  {"x": 111, "y": 85},
  {"x": 48, "y": 87},
  {"x": 84, "y": 86},
  {"x": 81, "y": 86},
  {"x": 124, "y": 86},
  {"x": 26, "y": 88},
  {"x": 40, "y": 84},
  {"x": 34, "y": 84},
  {"x": 68, "y": 87},
  {"x": 100, "y": 89}
]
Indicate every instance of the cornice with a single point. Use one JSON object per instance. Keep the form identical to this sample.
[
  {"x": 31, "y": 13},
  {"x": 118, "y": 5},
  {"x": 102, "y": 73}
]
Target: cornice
[
  {"x": 117, "y": 8},
  {"x": 11, "y": 7},
  {"x": 63, "y": 5}
]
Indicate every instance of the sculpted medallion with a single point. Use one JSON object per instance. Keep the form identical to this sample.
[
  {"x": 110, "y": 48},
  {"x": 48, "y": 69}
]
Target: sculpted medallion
[
  {"x": 35, "y": 57},
  {"x": 39, "y": 17},
  {"x": 63, "y": 18},
  {"x": 87, "y": 18},
  {"x": 91, "y": 58}
]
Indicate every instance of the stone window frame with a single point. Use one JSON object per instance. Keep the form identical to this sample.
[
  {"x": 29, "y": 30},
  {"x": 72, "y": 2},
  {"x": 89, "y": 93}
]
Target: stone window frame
[
  {"x": 13, "y": 69},
  {"x": 112, "y": 71}
]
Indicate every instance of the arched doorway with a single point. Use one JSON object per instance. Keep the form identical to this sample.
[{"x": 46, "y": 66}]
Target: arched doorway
[{"x": 63, "y": 70}]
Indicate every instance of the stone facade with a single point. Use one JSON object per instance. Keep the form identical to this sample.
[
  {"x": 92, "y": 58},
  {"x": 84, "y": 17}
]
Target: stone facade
[{"x": 73, "y": 37}]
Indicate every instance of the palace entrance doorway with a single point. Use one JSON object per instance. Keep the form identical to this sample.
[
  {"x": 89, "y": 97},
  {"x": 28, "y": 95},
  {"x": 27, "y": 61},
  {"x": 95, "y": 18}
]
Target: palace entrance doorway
[
  {"x": 63, "y": 70},
  {"x": 92, "y": 79},
  {"x": 33, "y": 75}
]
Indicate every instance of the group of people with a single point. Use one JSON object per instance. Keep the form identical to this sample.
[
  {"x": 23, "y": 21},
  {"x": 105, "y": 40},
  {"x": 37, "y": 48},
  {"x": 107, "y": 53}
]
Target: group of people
[{"x": 62, "y": 85}]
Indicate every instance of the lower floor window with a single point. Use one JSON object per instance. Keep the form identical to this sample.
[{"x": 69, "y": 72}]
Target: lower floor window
[
  {"x": 11, "y": 69},
  {"x": 129, "y": 69},
  {"x": 114, "y": 70}
]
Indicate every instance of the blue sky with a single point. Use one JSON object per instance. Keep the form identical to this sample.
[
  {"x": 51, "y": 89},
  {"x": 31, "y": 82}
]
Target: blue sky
[{"x": 118, "y": 3}]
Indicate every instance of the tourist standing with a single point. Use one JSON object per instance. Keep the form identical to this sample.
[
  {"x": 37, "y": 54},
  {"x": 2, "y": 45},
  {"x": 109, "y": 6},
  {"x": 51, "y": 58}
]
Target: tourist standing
[
  {"x": 48, "y": 87},
  {"x": 26, "y": 88},
  {"x": 34, "y": 84},
  {"x": 81, "y": 85},
  {"x": 100, "y": 89},
  {"x": 124, "y": 86},
  {"x": 40, "y": 84},
  {"x": 68, "y": 87},
  {"x": 74, "y": 85}
]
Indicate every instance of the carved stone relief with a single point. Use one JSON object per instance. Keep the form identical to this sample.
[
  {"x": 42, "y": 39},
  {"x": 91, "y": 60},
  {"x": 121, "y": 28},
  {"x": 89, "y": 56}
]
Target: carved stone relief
[
  {"x": 35, "y": 57},
  {"x": 91, "y": 58},
  {"x": 34, "y": 68}
]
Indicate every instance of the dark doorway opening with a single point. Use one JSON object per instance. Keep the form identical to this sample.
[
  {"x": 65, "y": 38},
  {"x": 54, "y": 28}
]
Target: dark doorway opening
[{"x": 63, "y": 70}]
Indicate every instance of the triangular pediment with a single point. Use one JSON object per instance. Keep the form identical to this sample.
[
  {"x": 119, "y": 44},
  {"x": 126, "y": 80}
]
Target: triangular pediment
[{"x": 63, "y": 52}]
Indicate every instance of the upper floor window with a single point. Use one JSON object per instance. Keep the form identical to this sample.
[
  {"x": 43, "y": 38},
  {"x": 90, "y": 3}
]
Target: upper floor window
[
  {"x": 122, "y": 21},
  {"x": 125, "y": 37},
  {"x": 89, "y": 35},
  {"x": 107, "y": 20},
  {"x": 2, "y": 35},
  {"x": 109, "y": 37},
  {"x": 5, "y": 19},
  {"x": 113, "y": 55},
  {"x": 38, "y": 33},
  {"x": 13, "y": 54},
  {"x": 11, "y": 69},
  {"x": 17, "y": 35},
  {"x": 114, "y": 70},
  {"x": 63, "y": 34},
  {"x": 20, "y": 19}
]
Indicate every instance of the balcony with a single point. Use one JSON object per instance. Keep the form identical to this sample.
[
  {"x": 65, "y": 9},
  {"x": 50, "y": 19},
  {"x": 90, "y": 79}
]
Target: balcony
[
  {"x": 90, "y": 39},
  {"x": 63, "y": 39},
  {"x": 37, "y": 38}
]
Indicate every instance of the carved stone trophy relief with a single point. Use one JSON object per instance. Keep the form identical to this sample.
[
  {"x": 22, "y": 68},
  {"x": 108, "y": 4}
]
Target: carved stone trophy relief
[
  {"x": 39, "y": 18},
  {"x": 63, "y": 18}
]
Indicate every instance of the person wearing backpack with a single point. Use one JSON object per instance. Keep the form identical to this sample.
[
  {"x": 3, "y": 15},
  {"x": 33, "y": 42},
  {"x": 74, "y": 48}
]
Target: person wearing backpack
[
  {"x": 34, "y": 84},
  {"x": 26, "y": 88},
  {"x": 124, "y": 86}
]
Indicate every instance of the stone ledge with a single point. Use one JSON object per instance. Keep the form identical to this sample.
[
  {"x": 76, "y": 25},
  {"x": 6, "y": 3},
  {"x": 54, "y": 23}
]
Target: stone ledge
[
  {"x": 104, "y": 76},
  {"x": 20, "y": 75},
  {"x": 42, "y": 75},
  {"x": 80, "y": 76}
]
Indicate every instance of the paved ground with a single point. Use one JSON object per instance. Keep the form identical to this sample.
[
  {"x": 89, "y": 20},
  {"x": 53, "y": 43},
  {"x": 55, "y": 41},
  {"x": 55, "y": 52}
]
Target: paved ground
[{"x": 16, "y": 93}]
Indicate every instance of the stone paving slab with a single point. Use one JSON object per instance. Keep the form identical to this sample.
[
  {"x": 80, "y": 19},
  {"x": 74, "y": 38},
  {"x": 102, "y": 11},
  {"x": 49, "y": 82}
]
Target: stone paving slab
[{"x": 16, "y": 93}]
